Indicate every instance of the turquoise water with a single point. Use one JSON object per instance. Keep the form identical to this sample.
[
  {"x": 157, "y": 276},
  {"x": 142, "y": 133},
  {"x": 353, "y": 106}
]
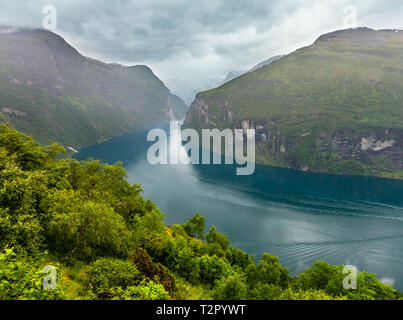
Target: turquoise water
[{"x": 300, "y": 217}]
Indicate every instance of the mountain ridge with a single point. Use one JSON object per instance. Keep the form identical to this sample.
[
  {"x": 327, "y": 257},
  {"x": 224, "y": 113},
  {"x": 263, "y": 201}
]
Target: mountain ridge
[
  {"x": 235, "y": 74},
  {"x": 51, "y": 91},
  {"x": 331, "y": 107}
]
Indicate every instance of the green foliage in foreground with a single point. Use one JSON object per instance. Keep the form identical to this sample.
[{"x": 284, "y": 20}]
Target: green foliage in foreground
[{"x": 108, "y": 242}]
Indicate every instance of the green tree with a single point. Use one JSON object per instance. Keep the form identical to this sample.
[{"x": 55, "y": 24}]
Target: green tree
[
  {"x": 232, "y": 287},
  {"x": 180, "y": 259},
  {"x": 84, "y": 229},
  {"x": 194, "y": 227},
  {"x": 268, "y": 271},
  {"x": 217, "y": 237},
  {"x": 328, "y": 278},
  {"x": 318, "y": 276},
  {"x": 238, "y": 257},
  {"x": 107, "y": 275},
  {"x": 212, "y": 268}
]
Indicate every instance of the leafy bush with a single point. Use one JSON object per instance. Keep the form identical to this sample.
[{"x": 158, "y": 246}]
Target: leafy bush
[
  {"x": 328, "y": 278},
  {"x": 212, "y": 268},
  {"x": 28, "y": 154},
  {"x": 194, "y": 227},
  {"x": 290, "y": 294},
  {"x": 318, "y": 276},
  {"x": 151, "y": 270},
  {"x": 151, "y": 233},
  {"x": 268, "y": 271},
  {"x": 21, "y": 279},
  {"x": 264, "y": 291},
  {"x": 20, "y": 196},
  {"x": 145, "y": 291},
  {"x": 217, "y": 237},
  {"x": 107, "y": 276},
  {"x": 238, "y": 257},
  {"x": 85, "y": 229},
  {"x": 232, "y": 287},
  {"x": 181, "y": 260}
]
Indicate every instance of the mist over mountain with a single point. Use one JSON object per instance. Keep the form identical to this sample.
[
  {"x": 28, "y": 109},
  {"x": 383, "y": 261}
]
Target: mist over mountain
[
  {"x": 235, "y": 74},
  {"x": 187, "y": 88},
  {"x": 232, "y": 75},
  {"x": 51, "y": 91}
]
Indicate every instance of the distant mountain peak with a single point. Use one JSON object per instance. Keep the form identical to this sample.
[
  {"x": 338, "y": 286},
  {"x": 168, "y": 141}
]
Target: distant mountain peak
[{"x": 235, "y": 74}]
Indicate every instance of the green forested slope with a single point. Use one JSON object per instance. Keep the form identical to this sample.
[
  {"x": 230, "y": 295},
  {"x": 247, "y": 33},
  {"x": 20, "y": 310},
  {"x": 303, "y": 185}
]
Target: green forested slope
[
  {"x": 50, "y": 91},
  {"x": 108, "y": 242},
  {"x": 335, "y": 106}
]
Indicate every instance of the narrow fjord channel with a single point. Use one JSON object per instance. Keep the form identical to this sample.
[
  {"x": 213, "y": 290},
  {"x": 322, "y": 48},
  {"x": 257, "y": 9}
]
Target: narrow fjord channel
[{"x": 300, "y": 217}]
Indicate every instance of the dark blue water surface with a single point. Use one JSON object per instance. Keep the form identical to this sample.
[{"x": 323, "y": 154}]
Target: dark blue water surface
[{"x": 300, "y": 217}]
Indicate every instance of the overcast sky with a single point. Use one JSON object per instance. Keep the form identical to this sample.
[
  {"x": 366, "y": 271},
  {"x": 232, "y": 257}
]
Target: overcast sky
[{"x": 199, "y": 41}]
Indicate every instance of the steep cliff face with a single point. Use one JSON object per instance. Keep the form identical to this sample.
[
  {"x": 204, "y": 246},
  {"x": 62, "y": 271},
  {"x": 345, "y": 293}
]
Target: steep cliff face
[
  {"x": 333, "y": 107},
  {"x": 364, "y": 151}
]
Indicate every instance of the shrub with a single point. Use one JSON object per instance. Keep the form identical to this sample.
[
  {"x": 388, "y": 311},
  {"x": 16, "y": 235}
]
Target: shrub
[
  {"x": 322, "y": 276},
  {"x": 151, "y": 270},
  {"x": 264, "y": 291},
  {"x": 212, "y": 268},
  {"x": 145, "y": 291},
  {"x": 107, "y": 276},
  {"x": 21, "y": 279},
  {"x": 290, "y": 294},
  {"x": 85, "y": 230},
  {"x": 318, "y": 276},
  {"x": 368, "y": 288},
  {"x": 268, "y": 271},
  {"x": 180, "y": 259},
  {"x": 232, "y": 287},
  {"x": 238, "y": 257},
  {"x": 29, "y": 155},
  {"x": 151, "y": 233},
  {"x": 20, "y": 196},
  {"x": 194, "y": 227},
  {"x": 217, "y": 237}
]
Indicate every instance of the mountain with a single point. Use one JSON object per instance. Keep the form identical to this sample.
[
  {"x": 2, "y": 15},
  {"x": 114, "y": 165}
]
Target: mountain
[
  {"x": 51, "y": 91},
  {"x": 266, "y": 62},
  {"x": 235, "y": 74},
  {"x": 334, "y": 107},
  {"x": 232, "y": 75},
  {"x": 187, "y": 88}
]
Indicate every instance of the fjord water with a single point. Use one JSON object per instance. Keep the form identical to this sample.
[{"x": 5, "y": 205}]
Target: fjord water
[{"x": 300, "y": 217}]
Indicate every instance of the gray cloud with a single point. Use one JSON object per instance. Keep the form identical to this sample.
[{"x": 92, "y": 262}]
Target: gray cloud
[{"x": 196, "y": 41}]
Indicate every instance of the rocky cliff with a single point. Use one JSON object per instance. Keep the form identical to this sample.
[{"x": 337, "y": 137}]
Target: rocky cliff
[{"x": 333, "y": 107}]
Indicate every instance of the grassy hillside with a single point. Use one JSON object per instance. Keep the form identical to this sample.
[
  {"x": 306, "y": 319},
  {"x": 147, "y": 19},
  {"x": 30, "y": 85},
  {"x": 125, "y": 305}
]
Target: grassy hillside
[
  {"x": 107, "y": 242},
  {"x": 313, "y": 108},
  {"x": 50, "y": 91}
]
